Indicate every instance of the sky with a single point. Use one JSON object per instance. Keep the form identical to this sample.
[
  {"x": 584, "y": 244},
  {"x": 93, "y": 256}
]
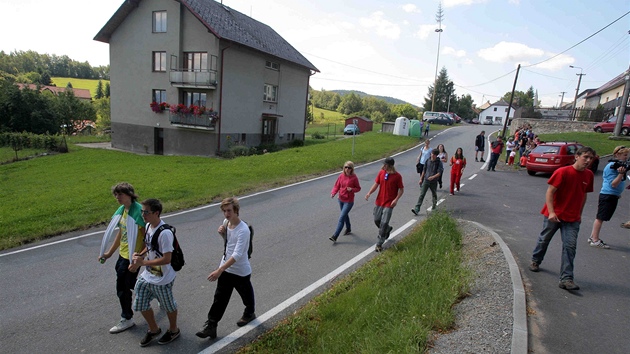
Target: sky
[{"x": 390, "y": 47}]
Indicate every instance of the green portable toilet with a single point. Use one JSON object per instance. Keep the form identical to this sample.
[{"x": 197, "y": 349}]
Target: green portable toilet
[{"x": 415, "y": 129}]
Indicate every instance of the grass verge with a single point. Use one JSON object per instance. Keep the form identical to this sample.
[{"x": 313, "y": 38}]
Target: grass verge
[{"x": 390, "y": 305}]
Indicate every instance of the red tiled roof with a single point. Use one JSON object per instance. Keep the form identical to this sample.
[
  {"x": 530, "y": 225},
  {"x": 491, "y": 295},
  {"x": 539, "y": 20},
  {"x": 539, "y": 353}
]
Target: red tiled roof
[{"x": 78, "y": 93}]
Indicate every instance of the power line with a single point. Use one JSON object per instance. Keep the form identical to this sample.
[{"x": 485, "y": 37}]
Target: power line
[{"x": 580, "y": 42}]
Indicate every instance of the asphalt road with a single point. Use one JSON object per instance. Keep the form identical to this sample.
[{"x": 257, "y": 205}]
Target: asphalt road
[{"x": 58, "y": 298}]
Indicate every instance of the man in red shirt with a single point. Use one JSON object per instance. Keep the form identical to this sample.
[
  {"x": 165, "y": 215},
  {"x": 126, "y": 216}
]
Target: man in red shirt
[
  {"x": 390, "y": 191},
  {"x": 564, "y": 202},
  {"x": 496, "y": 148}
]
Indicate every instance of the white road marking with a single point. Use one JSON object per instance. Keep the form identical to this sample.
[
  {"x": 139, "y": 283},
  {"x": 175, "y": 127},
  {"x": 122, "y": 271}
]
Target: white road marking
[{"x": 295, "y": 298}]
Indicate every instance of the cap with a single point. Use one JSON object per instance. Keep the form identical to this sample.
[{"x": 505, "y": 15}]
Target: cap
[{"x": 389, "y": 161}]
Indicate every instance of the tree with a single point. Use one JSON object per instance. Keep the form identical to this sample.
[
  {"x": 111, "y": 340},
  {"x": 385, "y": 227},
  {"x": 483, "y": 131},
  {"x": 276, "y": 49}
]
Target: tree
[
  {"x": 99, "y": 90},
  {"x": 350, "y": 103},
  {"x": 71, "y": 109},
  {"x": 464, "y": 107},
  {"x": 107, "y": 88},
  {"x": 46, "y": 80},
  {"x": 103, "y": 114},
  {"x": 443, "y": 90},
  {"x": 525, "y": 100},
  {"x": 405, "y": 110}
]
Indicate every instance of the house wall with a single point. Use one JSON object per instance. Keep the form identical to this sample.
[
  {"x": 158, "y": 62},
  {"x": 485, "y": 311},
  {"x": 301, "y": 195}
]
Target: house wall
[
  {"x": 238, "y": 97},
  {"x": 132, "y": 77},
  {"x": 497, "y": 116},
  {"x": 245, "y": 75}
]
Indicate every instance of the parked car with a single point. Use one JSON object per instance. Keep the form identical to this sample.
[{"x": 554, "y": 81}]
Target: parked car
[
  {"x": 548, "y": 157},
  {"x": 454, "y": 117},
  {"x": 442, "y": 118},
  {"x": 427, "y": 115},
  {"x": 474, "y": 121},
  {"x": 351, "y": 129},
  {"x": 608, "y": 126}
]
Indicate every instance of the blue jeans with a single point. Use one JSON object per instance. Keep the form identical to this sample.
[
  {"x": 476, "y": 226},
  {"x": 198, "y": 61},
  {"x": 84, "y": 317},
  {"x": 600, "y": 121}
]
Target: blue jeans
[
  {"x": 343, "y": 218},
  {"x": 569, "y": 233},
  {"x": 494, "y": 157}
]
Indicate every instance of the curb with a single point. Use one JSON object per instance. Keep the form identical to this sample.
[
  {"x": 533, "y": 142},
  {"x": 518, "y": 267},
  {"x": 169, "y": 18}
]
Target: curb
[{"x": 519, "y": 306}]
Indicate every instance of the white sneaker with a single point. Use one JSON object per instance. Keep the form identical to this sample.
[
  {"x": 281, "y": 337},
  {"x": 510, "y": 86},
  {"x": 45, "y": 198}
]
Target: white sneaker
[{"x": 123, "y": 325}]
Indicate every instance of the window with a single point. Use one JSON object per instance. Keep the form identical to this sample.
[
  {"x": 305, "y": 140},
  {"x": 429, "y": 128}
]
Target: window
[
  {"x": 196, "y": 61},
  {"x": 159, "y": 96},
  {"x": 195, "y": 98},
  {"x": 271, "y": 65},
  {"x": 159, "y": 22},
  {"x": 159, "y": 61},
  {"x": 495, "y": 109},
  {"x": 505, "y": 110},
  {"x": 271, "y": 93}
]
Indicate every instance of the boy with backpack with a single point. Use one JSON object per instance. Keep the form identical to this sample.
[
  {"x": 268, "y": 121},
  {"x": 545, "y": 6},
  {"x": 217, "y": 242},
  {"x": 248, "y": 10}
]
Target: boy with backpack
[
  {"x": 234, "y": 271},
  {"x": 156, "y": 281}
]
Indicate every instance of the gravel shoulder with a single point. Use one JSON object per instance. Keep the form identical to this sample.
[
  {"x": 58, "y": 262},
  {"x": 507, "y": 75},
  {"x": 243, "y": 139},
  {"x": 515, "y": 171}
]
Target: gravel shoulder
[{"x": 484, "y": 319}]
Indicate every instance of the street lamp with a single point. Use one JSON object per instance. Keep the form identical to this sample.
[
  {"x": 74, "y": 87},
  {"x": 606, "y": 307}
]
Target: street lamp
[
  {"x": 439, "y": 16},
  {"x": 439, "y": 32},
  {"x": 577, "y": 90}
]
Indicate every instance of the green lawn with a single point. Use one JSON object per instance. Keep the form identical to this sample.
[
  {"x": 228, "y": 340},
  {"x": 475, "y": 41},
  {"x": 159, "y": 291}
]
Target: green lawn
[
  {"x": 78, "y": 83},
  {"x": 390, "y": 305},
  {"x": 71, "y": 191}
]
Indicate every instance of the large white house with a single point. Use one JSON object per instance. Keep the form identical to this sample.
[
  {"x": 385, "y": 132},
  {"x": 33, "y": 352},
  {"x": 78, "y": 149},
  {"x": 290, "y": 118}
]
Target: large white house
[
  {"x": 496, "y": 113},
  {"x": 245, "y": 83}
]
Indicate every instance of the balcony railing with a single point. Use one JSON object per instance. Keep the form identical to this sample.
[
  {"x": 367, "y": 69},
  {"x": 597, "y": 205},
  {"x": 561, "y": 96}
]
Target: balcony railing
[
  {"x": 198, "y": 78},
  {"x": 203, "y": 121}
]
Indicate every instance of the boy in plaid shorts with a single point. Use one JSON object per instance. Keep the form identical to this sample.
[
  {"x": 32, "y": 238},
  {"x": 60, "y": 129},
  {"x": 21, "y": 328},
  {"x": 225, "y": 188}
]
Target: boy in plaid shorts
[{"x": 156, "y": 282}]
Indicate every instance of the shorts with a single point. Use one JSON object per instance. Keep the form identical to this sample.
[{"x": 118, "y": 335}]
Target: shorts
[
  {"x": 606, "y": 206},
  {"x": 145, "y": 292}
]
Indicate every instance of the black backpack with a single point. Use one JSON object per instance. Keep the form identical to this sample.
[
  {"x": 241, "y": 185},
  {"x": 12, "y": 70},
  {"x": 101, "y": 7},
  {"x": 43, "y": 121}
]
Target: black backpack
[
  {"x": 251, "y": 239},
  {"x": 177, "y": 256}
]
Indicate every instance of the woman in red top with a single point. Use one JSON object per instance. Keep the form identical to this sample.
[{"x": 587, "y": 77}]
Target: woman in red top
[
  {"x": 458, "y": 163},
  {"x": 347, "y": 185}
]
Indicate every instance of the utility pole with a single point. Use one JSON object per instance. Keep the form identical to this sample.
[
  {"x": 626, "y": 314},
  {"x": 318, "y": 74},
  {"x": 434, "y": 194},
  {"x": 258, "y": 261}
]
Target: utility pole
[
  {"x": 507, "y": 115},
  {"x": 438, "y": 17},
  {"x": 577, "y": 90},
  {"x": 561, "y": 99},
  {"x": 624, "y": 102}
]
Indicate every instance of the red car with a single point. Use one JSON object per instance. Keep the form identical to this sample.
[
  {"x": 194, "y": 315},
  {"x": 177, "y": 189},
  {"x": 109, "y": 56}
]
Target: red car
[
  {"x": 548, "y": 157},
  {"x": 608, "y": 126}
]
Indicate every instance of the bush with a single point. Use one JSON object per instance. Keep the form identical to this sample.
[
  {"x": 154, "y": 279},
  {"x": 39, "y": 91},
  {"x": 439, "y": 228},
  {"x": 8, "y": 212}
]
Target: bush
[
  {"x": 30, "y": 141},
  {"x": 296, "y": 143},
  {"x": 318, "y": 135}
]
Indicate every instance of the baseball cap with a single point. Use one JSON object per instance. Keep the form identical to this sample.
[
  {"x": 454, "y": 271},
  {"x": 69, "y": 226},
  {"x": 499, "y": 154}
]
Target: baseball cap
[{"x": 389, "y": 161}]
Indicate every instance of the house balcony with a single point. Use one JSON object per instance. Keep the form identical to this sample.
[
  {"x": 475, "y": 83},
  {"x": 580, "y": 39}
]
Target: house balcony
[
  {"x": 206, "y": 79},
  {"x": 205, "y": 121}
]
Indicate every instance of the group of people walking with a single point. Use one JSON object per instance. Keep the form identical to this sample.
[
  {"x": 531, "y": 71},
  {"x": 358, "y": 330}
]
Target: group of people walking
[{"x": 138, "y": 224}]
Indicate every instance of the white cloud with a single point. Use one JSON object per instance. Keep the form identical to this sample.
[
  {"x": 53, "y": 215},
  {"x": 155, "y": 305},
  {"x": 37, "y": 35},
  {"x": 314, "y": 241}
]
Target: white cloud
[
  {"x": 560, "y": 62},
  {"x": 510, "y": 52},
  {"x": 424, "y": 30},
  {"x": 451, "y": 51},
  {"x": 383, "y": 27},
  {"x": 515, "y": 2},
  {"x": 411, "y": 8},
  {"x": 453, "y": 3}
]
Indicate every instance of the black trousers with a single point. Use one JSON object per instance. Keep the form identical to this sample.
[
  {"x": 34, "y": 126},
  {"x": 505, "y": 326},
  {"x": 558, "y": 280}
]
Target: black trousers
[
  {"x": 226, "y": 283},
  {"x": 125, "y": 282}
]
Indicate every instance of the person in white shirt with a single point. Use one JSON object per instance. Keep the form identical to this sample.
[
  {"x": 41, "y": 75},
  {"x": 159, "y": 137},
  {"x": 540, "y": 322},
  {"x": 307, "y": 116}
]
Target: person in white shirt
[
  {"x": 156, "y": 281},
  {"x": 234, "y": 271}
]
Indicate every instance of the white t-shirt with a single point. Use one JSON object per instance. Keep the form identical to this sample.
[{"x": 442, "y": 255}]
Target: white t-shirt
[
  {"x": 164, "y": 274},
  {"x": 237, "y": 246}
]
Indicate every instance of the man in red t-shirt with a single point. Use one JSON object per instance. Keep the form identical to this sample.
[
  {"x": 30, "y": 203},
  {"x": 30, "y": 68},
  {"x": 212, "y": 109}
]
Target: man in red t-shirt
[
  {"x": 390, "y": 191},
  {"x": 564, "y": 202},
  {"x": 496, "y": 148}
]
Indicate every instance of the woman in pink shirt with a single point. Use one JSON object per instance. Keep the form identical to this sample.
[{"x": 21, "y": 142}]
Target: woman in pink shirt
[{"x": 347, "y": 185}]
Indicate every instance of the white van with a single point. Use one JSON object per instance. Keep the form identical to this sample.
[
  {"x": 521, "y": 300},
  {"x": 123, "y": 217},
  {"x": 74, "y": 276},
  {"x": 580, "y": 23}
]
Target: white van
[{"x": 428, "y": 115}]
